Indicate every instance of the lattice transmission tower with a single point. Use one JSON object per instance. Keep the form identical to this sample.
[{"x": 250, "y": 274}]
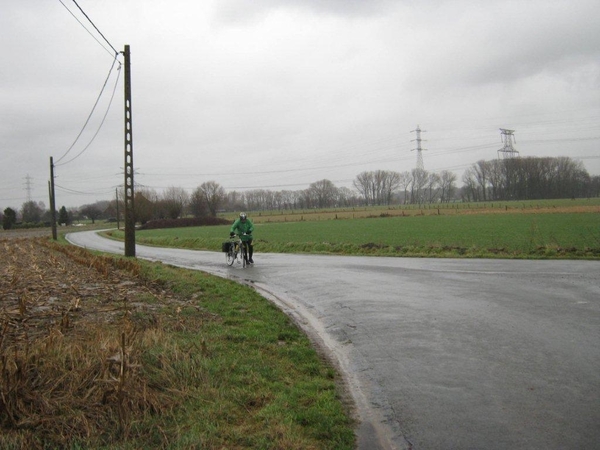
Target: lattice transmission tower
[
  {"x": 28, "y": 187},
  {"x": 419, "y": 150},
  {"x": 508, "y": 151}
]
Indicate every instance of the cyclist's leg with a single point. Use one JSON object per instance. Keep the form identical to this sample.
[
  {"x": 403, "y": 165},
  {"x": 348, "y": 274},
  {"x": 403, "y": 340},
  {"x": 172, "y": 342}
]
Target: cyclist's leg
[{"x": 250, "y": 251}]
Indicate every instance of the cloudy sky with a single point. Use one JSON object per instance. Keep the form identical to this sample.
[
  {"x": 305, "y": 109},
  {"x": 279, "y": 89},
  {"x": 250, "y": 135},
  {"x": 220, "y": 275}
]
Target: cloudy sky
[{"x": 279, "y": 94}]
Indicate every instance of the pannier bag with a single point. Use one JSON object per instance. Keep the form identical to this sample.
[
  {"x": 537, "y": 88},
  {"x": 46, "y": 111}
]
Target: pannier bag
[{"x": 225, "y": 246}]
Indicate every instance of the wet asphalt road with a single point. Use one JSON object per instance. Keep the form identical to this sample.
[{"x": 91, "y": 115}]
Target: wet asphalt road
[{"x": 442, "y": 353}]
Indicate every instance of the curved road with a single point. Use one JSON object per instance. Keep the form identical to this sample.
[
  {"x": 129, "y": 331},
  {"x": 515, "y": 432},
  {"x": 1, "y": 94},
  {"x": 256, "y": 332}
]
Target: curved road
[{"x": 441, "y": 353}]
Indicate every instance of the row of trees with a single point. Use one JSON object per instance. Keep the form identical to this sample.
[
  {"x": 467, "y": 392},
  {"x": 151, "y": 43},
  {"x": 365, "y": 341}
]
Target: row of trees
[
  {"x": 383, "y": 187},
  {"x": 372, "y": 188},
  {"x": 528, "y": 179},
  {"x": 507, "y": 179},
  {"x": 34, "y": 214},
  {"x": 211, "y": 198},
  {"x": 31, "y": 214}
]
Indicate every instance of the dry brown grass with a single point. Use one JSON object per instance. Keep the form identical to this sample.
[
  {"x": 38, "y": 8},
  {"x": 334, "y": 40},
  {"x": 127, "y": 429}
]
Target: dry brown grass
[
  {"x": 425, "y": 210},
  {"x": 71, "y": 339}
]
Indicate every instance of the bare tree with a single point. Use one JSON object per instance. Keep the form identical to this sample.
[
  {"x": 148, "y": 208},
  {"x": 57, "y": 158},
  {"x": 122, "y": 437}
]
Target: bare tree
[
  {"x": 234, "y": 201},
  {"x": 145, "y": 205},
  {"x": 292, "y": 198},
  {"x": 404, "y": 182},
  {"x": 253, "y": 199},
  {"x": 31, "y": 212},
  {"x": 378, "y": 187},
  {"x": 323, "y": 193},
  {"x": 495, "y": 179},
  {"x": 92, "y": 212},
  {"x": 364, "y": 185},
  {"x": 419, "y": 181},
  {"x": 387, "y": 183},
  {"x": 265, "y": 199},
  {"x": 175, "y": 200},
  {"x": 432, "y": 187},
  {"x": 213, "y": 194},
  {"x": 469, "y": 189},
  {"x": 594, "y": 190},
  {"x": 511, "y": 175},
  {"x": 346, "y": 197},
  {"x": 197, "y": 204},
  {"x": 447, "y": 185},
  {"x": 481, "y": 173}
]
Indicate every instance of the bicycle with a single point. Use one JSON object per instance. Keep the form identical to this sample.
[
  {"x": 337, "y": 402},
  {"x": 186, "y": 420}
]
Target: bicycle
[{"x": 236, "y": 249}]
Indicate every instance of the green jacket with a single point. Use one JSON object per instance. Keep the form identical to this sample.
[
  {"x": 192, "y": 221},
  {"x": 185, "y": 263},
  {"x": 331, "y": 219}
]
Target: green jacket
[{"x": 240, "y": 228}]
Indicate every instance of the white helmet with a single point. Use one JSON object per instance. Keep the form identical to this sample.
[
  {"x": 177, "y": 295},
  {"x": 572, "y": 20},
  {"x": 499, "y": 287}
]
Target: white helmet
[{"x": 243, "y": 216}]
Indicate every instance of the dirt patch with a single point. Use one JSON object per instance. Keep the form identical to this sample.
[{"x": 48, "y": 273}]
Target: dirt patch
[
  {"x": 371, "y": 246},
  {"x": 26, "y": 233}
]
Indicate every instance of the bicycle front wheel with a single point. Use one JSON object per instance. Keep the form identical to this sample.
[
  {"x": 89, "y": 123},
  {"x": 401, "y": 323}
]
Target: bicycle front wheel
[{"x": 230, "y": 256}]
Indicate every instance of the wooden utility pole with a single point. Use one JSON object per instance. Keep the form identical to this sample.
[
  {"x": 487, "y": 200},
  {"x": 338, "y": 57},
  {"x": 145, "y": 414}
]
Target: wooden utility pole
[
  {"x": 52, "y": 201},
  {"x": 128, "y": 168}
]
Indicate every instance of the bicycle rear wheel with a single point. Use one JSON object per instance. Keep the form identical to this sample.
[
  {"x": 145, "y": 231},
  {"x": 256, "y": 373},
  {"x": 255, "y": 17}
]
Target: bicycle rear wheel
[{"x": 230, "y": 255}]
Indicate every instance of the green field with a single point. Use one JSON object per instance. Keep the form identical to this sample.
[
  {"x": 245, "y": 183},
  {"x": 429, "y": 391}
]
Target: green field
[{"x": 548, "y": 234}]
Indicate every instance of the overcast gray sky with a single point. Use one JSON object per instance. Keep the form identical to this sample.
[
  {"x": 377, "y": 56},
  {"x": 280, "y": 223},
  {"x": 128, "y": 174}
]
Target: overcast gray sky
[{"x": 279, "y": 94}]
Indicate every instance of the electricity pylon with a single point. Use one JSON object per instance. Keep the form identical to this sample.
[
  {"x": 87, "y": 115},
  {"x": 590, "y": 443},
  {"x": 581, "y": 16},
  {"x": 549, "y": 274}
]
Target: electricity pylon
[
  {"x": 419, "y": 150},
  {"x": 508, "y": 151},
  {"x": 28, "y": 187}
]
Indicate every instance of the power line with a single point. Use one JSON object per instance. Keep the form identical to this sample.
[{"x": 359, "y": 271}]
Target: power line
[
  {"x": 114, "y": 60},
  {"x": 91, "y": 113},
  {"x": 267, "y": 172},
  {"x": 99, "y": 127},
  {"x": 96, "y": 28},
  {"x": 88, "y": 31},
  {"x": 72, "y": 191},
  {"x": 324, "y": 167},
  {"x": 537, "y": 141}
]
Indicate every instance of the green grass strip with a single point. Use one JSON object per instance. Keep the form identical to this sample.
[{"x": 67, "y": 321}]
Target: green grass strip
[
  {"x": 505, "y": 235},
  {"x": 253, "y": 379}
]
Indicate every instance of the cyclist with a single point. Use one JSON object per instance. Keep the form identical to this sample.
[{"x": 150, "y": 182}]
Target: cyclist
[{"x": 244, "y": 227}]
